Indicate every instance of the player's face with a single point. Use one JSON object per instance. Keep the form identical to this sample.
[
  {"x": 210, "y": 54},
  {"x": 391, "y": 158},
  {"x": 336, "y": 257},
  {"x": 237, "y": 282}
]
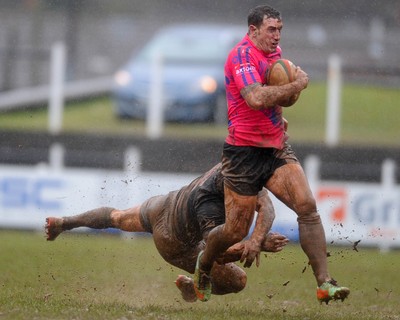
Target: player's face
[{"x": 268, "y": 35}]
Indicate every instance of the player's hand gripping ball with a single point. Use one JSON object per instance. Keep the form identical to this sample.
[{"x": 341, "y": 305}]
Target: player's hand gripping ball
[{"x": 282, "y": 72}]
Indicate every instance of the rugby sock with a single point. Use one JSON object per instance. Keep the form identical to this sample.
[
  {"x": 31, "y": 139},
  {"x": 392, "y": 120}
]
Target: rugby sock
[
  {"x": 99, "y": 218},
  {"x": 313, "y": 243}
]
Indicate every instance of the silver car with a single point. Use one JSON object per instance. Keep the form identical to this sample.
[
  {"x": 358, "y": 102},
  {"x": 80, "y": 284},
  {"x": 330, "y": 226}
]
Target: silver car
[{"x": 193, "y": 84}]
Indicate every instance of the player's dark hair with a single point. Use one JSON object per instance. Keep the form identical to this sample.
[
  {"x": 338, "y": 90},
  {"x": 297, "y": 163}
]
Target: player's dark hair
[{"x": 257, "y": 14}]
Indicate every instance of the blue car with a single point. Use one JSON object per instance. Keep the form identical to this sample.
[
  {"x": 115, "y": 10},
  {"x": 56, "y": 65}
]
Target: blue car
[{"x": 192, "y": 82}]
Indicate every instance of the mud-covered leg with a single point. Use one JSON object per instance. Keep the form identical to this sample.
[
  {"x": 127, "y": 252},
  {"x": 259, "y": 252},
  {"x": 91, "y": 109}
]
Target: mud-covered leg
[
  {"x": 227, "y": 278},
  {"x": 99, "y": 218}
]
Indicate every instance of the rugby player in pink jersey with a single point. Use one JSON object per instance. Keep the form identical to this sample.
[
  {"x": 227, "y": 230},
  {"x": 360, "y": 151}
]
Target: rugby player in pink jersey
[{"x": 256, "y": 154}]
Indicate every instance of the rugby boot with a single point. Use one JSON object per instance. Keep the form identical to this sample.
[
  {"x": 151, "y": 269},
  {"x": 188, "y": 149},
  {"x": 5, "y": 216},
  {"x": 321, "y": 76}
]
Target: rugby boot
[{"x": 330, "y": 290}]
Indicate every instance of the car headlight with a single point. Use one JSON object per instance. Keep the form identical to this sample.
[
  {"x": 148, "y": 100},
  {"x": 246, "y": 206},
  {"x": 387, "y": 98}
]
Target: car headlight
[
  {"x": 122, "y": 78},
  {"x": 208, "y": 84}
]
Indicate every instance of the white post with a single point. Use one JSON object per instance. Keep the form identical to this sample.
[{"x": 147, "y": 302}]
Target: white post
[
  {"x": 56, "y": 156},
  {"x": 388, "y": 175},
  {"x": 155, "y": 112},
  {"x": 56, "y": 99},
  {"x": 133, "y": 160},
  {"x": 334, "y": 101},
  {"x": 388, "y": 180},
  {"x": 312, "y": 168}
]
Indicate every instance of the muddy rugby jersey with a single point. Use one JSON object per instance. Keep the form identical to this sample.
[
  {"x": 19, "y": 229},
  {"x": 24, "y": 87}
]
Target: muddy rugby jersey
[{"x": 192, "y": 210}]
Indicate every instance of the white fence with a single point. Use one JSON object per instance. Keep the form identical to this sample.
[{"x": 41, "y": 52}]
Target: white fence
[{"x": 58, "y": 90}]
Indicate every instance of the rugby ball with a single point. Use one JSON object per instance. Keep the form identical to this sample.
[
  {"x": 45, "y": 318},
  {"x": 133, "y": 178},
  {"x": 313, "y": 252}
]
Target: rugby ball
[{"x": 282, "y": 72}]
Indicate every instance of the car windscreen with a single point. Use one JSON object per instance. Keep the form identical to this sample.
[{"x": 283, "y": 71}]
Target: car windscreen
[{"x": 188, "y": 47}]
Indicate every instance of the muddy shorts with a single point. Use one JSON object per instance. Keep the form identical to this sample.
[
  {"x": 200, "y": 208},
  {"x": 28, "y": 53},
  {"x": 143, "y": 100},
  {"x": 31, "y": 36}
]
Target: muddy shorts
[
  {"x": 207, "y": 204},
  {"x": 210, "y": 213},
  {"x": 247, "y": 169}
]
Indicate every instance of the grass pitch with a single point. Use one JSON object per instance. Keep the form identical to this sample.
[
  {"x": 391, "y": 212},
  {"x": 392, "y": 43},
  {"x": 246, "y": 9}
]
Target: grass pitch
[{"x": 102, "y": 276}]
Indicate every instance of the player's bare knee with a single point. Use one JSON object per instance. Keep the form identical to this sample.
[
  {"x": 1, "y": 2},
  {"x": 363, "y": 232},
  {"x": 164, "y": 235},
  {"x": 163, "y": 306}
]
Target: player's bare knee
[
  {"x": 116, "y": 218},
  {"x": 306, "y": 207},
  {"x": 239, "y": 282},
  {"x": 236, "y": 283},
  {"x": 229, "y": 282}
]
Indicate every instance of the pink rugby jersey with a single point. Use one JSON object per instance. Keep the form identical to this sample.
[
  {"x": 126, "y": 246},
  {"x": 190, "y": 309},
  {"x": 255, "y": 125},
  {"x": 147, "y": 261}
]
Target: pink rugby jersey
[{"x": 244, "y": 66}]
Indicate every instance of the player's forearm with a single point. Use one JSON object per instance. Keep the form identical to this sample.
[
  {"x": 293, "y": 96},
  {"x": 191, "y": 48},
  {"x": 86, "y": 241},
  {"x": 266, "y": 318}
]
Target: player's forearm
[
  {"x": 262, "y": 226},
  {"x": 265, "y": 217},
  {"x": 259, "y": 97}
]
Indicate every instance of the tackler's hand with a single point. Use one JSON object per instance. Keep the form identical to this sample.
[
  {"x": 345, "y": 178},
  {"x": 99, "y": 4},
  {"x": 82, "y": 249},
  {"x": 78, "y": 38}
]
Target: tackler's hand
[
  {"x": 251, "y": 251},
  {"x": 275, "y": 242}
]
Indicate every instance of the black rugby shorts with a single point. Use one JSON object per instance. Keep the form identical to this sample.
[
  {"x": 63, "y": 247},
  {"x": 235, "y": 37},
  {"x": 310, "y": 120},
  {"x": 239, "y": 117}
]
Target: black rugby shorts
[{"x": 247, "y": 169}]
